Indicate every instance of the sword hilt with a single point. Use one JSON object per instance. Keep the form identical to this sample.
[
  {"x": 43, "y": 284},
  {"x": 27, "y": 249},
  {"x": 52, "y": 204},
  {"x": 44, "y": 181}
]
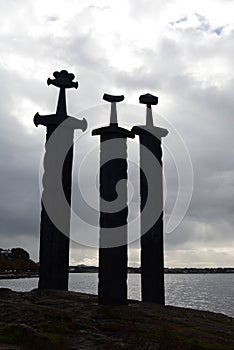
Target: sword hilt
[
  {"x": 149, "y": 100},
  {"x": 113, "y": 100},
  {"x": 63, "y": 80}
]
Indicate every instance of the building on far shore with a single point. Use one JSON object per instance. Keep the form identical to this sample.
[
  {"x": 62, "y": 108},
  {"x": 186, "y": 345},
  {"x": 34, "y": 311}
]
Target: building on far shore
[{"x": 6, "y": 253}]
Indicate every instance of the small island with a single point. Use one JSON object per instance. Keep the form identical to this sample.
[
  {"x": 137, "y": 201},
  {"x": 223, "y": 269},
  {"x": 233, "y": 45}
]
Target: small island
[{"x": 16, "y": 263}]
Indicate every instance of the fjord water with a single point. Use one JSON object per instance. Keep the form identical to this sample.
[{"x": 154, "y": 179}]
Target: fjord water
[{"x": 212, "y": 292}]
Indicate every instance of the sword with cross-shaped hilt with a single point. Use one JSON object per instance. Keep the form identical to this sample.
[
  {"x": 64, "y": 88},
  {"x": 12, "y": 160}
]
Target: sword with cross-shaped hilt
[
  {"x": 112, "y": 277},
  {"x": 57, "y": 186},
  {"x": 151, "y": 192}
]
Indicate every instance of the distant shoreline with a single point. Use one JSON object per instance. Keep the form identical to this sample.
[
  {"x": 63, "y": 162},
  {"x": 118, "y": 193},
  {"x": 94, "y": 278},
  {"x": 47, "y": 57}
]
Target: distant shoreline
[
  {"x": 167, "y": 270},
  {"x": 131, "y": 270},
  {"x": 17, "y": 276}
]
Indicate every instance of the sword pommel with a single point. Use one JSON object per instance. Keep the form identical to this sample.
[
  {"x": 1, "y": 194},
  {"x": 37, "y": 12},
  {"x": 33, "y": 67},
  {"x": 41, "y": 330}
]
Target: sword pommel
[
  {"x": 63, "y": 79},
  {"x": 148, "y": 99},
  {"x": 113, "y": 100}
]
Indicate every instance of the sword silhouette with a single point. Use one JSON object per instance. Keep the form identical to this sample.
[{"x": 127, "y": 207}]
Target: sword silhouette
[{"x": 57, "y": 185}]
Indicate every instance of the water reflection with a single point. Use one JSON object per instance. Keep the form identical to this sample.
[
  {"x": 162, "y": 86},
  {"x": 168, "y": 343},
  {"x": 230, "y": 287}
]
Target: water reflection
[{"x": 213, "y": 292}]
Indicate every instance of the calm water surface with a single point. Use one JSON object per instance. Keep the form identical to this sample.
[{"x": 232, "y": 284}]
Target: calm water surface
[{"x": 213, "y": 292}]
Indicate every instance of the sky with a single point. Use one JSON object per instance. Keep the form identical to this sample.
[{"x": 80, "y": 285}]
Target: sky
[{"x": 181, "y": 52}]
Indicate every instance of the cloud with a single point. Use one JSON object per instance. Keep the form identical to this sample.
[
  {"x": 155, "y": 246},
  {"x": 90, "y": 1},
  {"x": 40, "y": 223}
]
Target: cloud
[
  {"x": 183, "y": 19},
  {"x": 132, "y": 50},
  {"x": 99, "y": 8}
]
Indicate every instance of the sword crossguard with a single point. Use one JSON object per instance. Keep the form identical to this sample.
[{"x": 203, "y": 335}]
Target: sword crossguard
[
  {"x": 46, "y": 120},
  {"x": 63, "y": 79},
  {"x": 53, "y": 119},
  {"x": 36, "y": 119}
]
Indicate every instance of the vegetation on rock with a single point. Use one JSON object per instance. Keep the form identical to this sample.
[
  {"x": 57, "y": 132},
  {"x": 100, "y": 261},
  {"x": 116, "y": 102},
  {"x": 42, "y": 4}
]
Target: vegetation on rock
[
  {"x": 16, "y": 260},
  {"x": 68, "y": 320}
]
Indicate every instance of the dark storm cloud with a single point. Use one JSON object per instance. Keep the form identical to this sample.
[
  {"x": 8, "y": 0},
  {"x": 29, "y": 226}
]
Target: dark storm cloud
[{"x": 19, "y": 176}]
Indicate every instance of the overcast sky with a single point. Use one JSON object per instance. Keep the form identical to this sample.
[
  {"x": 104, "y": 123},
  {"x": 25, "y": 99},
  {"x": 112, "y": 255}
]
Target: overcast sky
[{"x": 181, "y": 51}]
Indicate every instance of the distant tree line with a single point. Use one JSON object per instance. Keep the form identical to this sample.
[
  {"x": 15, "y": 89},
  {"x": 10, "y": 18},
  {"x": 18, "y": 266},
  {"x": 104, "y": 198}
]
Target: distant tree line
[{"x": 16, "y": 260}]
